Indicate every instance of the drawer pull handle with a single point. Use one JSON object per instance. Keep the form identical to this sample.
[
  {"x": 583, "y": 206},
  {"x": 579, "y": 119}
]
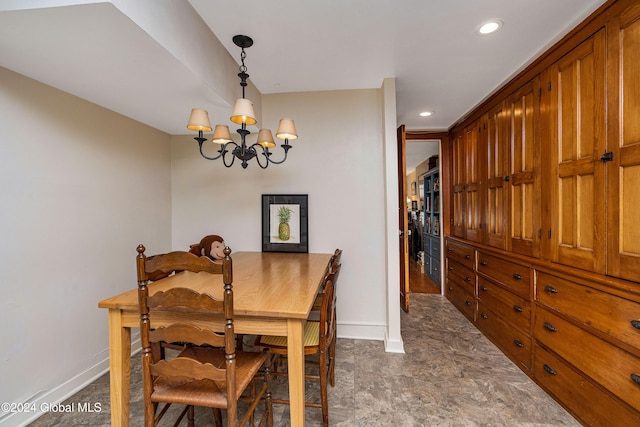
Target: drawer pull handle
[
  {"x": 635, "y": 324},
  {"x": 483, "y": 262},
  {"x": 549, "y": 369},
  {"x": 518, "y": 343},
  {"x": 468, "y": 303},
  {"x": 484, "y": 288},
  {"x": 467, "y": 256},
  {"x": 468, "y": 279},
  {"x": 517, "y": 276},
  {"x": 550, "y": 290},
  {"x": 635, "y": 378},
  {"x": 484, "y": 316},
  {"x": 517, "y": 308},
  {"x": 549, "y": 327}
]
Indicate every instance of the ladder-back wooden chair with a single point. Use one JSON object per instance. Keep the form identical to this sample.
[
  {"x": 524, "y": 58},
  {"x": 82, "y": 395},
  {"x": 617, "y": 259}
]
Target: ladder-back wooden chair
[
  {"x": 320, "y": 339},
  {"x": 336, "y": 259},
  {"x": 209, "y": 371}
]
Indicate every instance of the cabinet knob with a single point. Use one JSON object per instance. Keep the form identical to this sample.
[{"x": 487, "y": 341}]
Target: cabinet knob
[
  {"x": 517, "y": 308},
  {"x": 483, "y": 262},
  {"x": 518, "y": 343},
  {"x": 635, "y": 378},
  {"x": 484, "y": 288},
  {"x": 484, "y": 316},
  {"x": 450, "y": 268},
  {"x": 467, "y": 256},
  {"x": 517, "y": 276},
  {"x": 549, "y": 369},
  {"x": 468, "y": 303},
  {"x": 550, "y": 290},
  {"x": 549, "y": 327},
  {"x": 468, "y": 279},
  {"x": 635, "y": 324}
]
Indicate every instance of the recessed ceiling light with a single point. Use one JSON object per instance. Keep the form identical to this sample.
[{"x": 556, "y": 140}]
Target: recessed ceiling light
[
  {"x": 426, "y": 113},
  {"x": 490, "y": 26}
]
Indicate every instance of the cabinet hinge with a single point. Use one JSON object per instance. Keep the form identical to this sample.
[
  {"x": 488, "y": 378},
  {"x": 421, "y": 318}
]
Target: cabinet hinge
[
  {"x": 549, "y": 234},
  {"x": 539, "y": 91},
  {"x": 607, "y": 157},
  {"x": 549, "y": 86}
]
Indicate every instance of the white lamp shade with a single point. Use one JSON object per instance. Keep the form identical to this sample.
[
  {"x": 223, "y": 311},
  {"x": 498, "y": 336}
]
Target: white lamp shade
[
  {"x": 221, "y": 134},
  {"x": 265, "y": 138},
  {"x": 243, "y": 112},
  {"x": 287, "y": 129},
  {"x": 199, "y": 120}
]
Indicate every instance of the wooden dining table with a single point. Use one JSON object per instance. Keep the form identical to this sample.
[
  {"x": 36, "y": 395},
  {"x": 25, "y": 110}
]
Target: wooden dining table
[{"x": 273, "y": 295}]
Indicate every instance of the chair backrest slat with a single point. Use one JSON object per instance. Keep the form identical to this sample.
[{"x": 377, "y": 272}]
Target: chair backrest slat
[{"x": 184, "y": 367}]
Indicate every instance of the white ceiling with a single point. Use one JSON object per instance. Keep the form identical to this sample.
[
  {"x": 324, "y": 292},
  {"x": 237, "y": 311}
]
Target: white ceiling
[{"x": 105, "y": 52}]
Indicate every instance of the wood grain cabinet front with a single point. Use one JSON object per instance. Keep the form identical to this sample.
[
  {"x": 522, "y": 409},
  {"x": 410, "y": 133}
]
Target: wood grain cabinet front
[
  {"x": 616, "y": 370},
  {"x": 513, "y": 276},
  {"x": 514, "y": 309},
  {"x": 587, "y": 401},
  {"x": 460, "y": 252},
  {"x": 610, "y": 315},
  {"x": 513, "y": 342}
]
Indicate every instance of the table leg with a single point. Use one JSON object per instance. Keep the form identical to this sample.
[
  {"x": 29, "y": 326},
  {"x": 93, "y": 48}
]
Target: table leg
[
  {"x": 295, "y": 357},
  {"x": 119, "y": 368}
]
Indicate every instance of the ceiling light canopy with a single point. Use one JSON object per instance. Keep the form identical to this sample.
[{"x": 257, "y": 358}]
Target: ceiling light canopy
[
  {"x": 490, "y": 26},
  {"x": 244, "y": 116}
]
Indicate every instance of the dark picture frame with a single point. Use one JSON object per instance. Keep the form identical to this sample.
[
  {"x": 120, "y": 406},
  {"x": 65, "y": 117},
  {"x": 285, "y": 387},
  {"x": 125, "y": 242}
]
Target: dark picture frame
[{"x": 294, "y": 237}]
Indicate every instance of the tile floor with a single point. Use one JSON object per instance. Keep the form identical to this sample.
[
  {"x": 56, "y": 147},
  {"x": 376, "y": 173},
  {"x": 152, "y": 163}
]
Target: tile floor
[{"x": 450, "y": 375}]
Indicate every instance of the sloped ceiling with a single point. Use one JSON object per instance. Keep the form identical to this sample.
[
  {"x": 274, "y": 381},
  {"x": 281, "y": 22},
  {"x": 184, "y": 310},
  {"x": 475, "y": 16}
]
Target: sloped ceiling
[{"x": 153, "y": 60}]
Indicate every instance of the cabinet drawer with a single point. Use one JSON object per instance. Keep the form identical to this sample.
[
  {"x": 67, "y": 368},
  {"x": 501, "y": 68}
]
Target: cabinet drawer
[
  {"x": 426, "y": 243},
  {"x": 434, "y": 269},
  {"x": 578, "y": 394},
  {"x": 435, "y": 247},
  {"x": 613, "y": 368},
  {"x": 614, "y": 316},
  {"x": 462, "y": 253},
  {"x": 512, "y": 308},
  {"x": 462, "y": 300},
  {"x": 514, "y": 276},
  {"x": 515, "y": 343},
  {"x": 461, "y": 275}
]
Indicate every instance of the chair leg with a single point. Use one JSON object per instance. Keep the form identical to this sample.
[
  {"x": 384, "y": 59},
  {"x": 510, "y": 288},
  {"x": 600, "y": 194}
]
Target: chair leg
[
  {"x": 268, "y": 404},
  {"x": 324, "y": 375},
  {"x": 217, "y": 416},
  {"x": 191, "y": 416},
  {"x": 332, "y": 363}
]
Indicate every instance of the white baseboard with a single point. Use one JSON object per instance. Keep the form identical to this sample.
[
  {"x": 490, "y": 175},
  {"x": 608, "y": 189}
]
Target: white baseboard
[
  {"x": 361, "y": 331},
  {"x": 59, "y": 394}
]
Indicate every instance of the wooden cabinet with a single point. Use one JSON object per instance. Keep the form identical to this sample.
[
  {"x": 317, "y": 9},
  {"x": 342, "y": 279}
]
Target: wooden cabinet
[
  {"x": 432, "y": 224},
  {"x": 555, "y": 156},
  {"x": 496, "y": 172},
  {"x": 523, "y": 109},
  {"x": 623, "y": 144},
  {"x": 574, "y": 176}
]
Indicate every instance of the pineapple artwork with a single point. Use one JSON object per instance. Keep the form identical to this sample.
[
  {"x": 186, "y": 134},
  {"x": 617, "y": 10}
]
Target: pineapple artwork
[{"x": 285, "y": 223}]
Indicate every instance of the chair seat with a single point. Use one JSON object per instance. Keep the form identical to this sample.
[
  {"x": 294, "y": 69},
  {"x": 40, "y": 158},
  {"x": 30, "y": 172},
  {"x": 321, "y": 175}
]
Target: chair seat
[
  {"x": 311, "y": 338},
  {"x": 207, "y": 392}
]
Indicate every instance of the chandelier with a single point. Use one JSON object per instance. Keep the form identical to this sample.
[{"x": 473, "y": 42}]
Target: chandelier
[{"x": 244, "y": 116}]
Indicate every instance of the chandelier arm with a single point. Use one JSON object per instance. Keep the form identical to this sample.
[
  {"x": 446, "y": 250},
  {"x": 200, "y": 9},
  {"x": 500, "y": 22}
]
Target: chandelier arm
[
  {"x": 201, "y": 142},
  {"x": 225, "y": 151},
  {"x": 266, "y": 153},
  {"x": 284, "y": 146}
]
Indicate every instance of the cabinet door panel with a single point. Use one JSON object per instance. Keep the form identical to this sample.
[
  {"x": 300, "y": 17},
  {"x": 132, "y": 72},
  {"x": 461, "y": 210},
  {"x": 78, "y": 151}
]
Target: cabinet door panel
[
  {"x": 457, "y": 186},
  {"x": 472, "y": 188},
  {"x": 496, "y": 166},
  {"x": 623, "y": 226},
  {"x": 576, "y": 99},
  {"x": 523, "y": 109}
]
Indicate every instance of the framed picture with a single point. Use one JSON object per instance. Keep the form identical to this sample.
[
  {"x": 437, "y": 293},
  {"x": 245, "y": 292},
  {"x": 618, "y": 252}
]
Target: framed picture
[
  {"x": 285, "y": 224},
  {"x": 413, "y": 188}
]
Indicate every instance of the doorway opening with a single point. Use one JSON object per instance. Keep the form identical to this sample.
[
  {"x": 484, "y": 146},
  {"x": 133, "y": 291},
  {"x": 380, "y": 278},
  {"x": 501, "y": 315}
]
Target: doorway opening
[{"x": 423, "y": 215}]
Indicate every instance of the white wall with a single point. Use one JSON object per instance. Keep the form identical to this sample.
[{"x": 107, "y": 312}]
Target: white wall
[
  {"x": 336, "y": 161},
  {"x": 80, "y": 187}
]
